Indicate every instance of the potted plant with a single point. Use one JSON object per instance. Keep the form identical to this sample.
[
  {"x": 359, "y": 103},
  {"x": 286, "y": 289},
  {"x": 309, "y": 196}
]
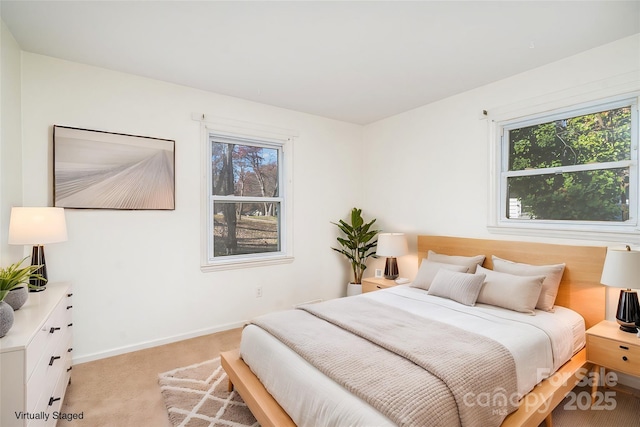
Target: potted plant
[
  {"x": 14, "y": 280},
  {"x": 358, "y": 244}
]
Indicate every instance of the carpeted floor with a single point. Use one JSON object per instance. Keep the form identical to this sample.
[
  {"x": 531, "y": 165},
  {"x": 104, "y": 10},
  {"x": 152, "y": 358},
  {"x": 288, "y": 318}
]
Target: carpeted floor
[
  {"x": 621, "y": 409},
  {"x": 122, "y": 391},
  {"x": 198, "y": 396}
]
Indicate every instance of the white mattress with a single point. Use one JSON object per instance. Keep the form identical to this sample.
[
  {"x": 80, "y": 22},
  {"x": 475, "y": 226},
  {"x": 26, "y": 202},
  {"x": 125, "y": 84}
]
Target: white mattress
[{"x": 539, "y": 344}]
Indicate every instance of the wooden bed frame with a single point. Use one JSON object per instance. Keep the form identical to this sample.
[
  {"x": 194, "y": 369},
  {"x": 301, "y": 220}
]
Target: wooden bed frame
[{"x": 580, "y": 290}]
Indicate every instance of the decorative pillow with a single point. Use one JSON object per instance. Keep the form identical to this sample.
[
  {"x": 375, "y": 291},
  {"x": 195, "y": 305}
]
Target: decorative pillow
[
  {"x": 460, "y": 287},
  {"x": 471, "y": 262},
  {"x": 428, "y": 270},
  {"x": 551, "y": 282},
  {"x": 517, "y": 293}
]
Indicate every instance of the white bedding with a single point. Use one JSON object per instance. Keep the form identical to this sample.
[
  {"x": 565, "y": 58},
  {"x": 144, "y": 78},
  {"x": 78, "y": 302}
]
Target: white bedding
[{"x": 540, "y": 344}]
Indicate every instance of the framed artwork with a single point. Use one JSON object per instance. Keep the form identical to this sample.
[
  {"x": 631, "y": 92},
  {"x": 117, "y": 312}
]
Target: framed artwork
[{"x": 103, "y": 170}]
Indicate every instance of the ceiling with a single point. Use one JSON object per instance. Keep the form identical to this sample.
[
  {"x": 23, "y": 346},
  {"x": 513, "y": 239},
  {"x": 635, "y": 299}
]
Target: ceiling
[{"x": 352, "y": 61}]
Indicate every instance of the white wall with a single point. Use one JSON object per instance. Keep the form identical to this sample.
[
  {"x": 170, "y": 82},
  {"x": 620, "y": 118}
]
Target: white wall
[
  {"x": 10, "y": 140},
  {"x": 136, "y": 274},
  {"x": 430, "y": 166}
]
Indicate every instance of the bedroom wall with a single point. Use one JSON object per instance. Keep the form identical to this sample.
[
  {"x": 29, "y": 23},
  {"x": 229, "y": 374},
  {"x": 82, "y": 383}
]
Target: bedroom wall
[
  {"x": 10, "y": 140},
  {"x": 429, "y": 167},
  {"x": 136, "y": 274}
]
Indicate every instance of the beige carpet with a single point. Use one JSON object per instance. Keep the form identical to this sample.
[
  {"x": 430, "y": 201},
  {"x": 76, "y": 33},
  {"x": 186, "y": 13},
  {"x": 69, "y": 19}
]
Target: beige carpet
[{"x": 197, "y": 396}]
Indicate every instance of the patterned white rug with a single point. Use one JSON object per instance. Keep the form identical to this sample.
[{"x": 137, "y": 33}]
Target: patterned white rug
[{"x": 197, "y": 396}]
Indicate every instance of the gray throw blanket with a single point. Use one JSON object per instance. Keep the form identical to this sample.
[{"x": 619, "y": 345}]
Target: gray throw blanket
[{"x": 415, "y": 371}]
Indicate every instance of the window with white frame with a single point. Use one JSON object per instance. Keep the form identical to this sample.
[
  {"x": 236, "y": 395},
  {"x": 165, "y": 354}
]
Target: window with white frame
[
  {"x": 247, "y": 200},
  {"x": 574, "y": 169}
]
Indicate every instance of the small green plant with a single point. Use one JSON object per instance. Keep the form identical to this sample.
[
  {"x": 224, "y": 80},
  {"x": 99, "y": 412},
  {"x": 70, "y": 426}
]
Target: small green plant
[
  {"x": 14, "y": 276},
  {"x": 358, "y": 242}
]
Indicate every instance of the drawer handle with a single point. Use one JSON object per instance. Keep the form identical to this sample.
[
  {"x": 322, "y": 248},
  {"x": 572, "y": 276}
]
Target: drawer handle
[
  {"x": 69, "y": 325},
  {"x": 52, "y": 400},
  {"x": 378, "y": 286},
  {"x": 69, "y": 306},
  {"x": 70, "y": 368},
  {"x": 625, "y": 358},
  {"x": 53, "y": 359},
  {"x": 70, "y": 295},
  {"x": 69, "y": 350},
  {"x": 624, "y": 347},
  {"x": 52, "y": 330}
]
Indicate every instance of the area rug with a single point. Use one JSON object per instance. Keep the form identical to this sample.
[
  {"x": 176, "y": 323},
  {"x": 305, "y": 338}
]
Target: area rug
[{"x": 197, "y": 396}]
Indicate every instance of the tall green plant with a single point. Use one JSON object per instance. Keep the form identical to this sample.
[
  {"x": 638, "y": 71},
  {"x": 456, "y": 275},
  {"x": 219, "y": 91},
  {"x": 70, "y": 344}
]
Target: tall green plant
[
  {"x": 14, "y": 276},
  {"x": 358, "y": 242}
]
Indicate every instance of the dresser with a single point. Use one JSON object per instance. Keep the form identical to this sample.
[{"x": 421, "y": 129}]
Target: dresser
[{"x": 35, "y": 359}]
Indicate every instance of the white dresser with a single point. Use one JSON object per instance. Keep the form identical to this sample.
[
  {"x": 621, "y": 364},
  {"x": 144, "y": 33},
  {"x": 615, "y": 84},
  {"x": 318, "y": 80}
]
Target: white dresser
[{"x": 35, "y": 359}]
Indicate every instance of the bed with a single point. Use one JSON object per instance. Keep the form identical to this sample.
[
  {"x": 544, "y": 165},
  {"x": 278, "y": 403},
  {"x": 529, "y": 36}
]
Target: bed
[{"x": 332, "y": 402}]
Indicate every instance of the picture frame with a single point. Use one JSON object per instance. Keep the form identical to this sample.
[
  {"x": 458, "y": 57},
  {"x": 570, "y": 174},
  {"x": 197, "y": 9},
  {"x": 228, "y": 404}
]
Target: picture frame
[{"x": 95, "y": 169}]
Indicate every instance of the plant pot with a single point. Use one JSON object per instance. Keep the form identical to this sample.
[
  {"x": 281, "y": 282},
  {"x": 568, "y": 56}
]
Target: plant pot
[
  {"x": 354, "y": 289},
  {"x": 17, "y": 297},
  {"x": 6, "y": 318}
]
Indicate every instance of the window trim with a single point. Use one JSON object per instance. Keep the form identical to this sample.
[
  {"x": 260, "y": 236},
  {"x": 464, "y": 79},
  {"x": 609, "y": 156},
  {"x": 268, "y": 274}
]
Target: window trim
[
  {"x": 596, "y": 230},
  {"x": 256, "y": 135}
]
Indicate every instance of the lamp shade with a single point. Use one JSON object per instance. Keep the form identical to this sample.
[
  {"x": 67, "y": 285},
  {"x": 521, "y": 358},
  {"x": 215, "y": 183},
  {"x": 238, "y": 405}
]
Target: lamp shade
[
  {"x": 392, "y": 245},
  {"x": 37, "y": 226},
  {"x": 621, "y": 269}
]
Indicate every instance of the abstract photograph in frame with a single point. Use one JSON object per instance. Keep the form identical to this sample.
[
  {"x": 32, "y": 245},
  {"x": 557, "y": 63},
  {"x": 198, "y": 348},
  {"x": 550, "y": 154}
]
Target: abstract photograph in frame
[{"x": 103, "y": 170}]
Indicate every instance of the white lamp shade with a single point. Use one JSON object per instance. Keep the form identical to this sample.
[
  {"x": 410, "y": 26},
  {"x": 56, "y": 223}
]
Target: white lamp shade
[
  {"x": 392, "y": 245},
  {"x": 621, "y": 269},
  {"x": 37, "y": 226}
]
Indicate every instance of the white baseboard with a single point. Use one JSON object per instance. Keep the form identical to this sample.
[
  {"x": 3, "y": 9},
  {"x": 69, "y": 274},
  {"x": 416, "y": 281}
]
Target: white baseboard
[
  {"x": 628, "y": 380},
  {"x": 154, "y": 343}
]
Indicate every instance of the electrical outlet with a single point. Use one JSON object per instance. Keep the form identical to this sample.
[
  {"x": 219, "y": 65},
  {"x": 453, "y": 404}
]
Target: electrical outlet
[{"x": 258, "y": 291}]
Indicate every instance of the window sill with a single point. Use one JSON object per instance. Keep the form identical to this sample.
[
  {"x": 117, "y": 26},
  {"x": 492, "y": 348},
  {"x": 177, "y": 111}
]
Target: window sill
[
  {"x": 628, "y": 235},
  {"x": 245, "y": 263}
]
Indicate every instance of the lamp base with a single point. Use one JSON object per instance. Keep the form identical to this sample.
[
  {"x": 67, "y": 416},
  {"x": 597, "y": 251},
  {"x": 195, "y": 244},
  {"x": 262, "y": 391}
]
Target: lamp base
[
  {"x": 391, "y": 269},
  {"x": 628, "y": 311},
  {"x": 37, "y": 258}
]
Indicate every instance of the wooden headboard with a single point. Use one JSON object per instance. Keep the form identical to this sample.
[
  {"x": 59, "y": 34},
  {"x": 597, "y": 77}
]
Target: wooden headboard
[{"x": 580, "y": 288}]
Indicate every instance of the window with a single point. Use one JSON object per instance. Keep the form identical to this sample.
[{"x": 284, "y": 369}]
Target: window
[
  {"x": 575, "y": 169},
  {"x": 247, "y": 220}
]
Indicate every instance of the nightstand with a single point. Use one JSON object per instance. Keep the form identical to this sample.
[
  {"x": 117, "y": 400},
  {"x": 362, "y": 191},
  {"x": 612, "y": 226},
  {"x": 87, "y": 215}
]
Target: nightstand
[
  {"x": 376, "y": 283},
  {"x": 611, "y": 348}
]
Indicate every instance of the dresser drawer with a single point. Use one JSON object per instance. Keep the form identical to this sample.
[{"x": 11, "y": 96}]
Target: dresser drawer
[
  {"x": 52, "y": 360},
  {"x": 47, "y": 335},
  {"x": 615, "y": 355},
  {"x": 41, "y": 330}
]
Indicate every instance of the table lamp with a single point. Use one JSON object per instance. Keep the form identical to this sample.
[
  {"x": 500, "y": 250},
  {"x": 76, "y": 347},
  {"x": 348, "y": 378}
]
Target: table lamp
[
  {"x": 37, "y": 226},
  {"x": 622, "y": 270},
  {"x": 391, "y": 245}
]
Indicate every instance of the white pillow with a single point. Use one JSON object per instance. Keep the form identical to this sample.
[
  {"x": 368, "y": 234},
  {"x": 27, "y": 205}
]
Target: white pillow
[
  {"x": 471, "y": 262},
  {"x": 460, "y": 287},
  {"x": 428, "y": 270},
  {"x": 517, "y": 293},
  {"x": 553, "y": 276}
]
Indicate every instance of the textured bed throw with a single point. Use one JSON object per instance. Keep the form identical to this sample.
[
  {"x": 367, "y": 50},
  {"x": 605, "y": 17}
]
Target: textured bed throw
[{"x": 415, "y": 371}]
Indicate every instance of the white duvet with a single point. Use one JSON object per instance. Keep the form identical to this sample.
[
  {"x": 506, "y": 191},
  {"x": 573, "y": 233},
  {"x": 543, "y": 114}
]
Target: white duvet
[{"x": 539, "y": 344}]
